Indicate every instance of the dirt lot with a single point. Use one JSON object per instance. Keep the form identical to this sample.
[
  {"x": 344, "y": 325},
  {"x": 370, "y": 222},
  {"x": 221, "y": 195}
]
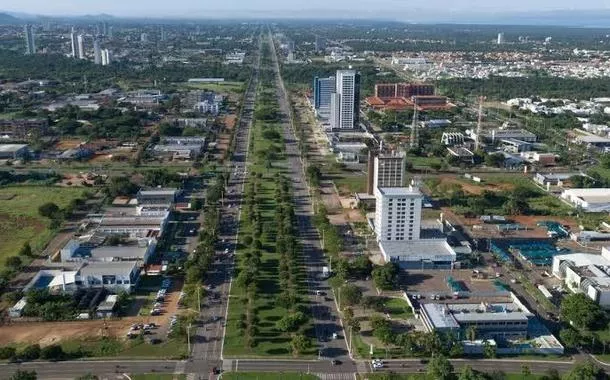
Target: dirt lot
[
  {"x": 47, "y": 333},
  {"x": 68, "y": 144},
  {"x": 472, "y": 187}
]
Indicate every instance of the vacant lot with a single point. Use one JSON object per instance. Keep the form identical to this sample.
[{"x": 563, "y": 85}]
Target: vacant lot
[{"x": 19, "y": 218}]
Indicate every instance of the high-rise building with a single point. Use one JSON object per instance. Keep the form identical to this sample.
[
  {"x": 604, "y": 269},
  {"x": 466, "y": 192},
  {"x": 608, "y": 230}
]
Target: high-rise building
[
  {"x": 345, "y": 102},
  {"x": 144, "y": 37},
  {"x": 105, "y": 57},
  {"x": 398, "y": 213},
  {"x": 163, "y": 36},
  {"x": 81, "y": 46},
  {"x": 104, "y": 28},
  {"x": 500, "y": 40},
  {"x": 97, "y": 51},
  {"x": 322, "y": 90},
  {"x": 30, "y": 44},
  {"x": 73, "y": 43},
  {"x": 389, "y": 170}
]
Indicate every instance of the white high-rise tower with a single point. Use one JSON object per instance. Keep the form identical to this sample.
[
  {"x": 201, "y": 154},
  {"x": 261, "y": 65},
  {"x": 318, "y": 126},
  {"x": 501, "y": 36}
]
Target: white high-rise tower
[
  {"x": 345, "y": 102},
  {"x": 81, "y": 46},
  {"x": 73, "y": 43},
  {"x": 97, "y": 52},
  {"x": 30, "y": 45},
  {"x": 105, "y": 57}
]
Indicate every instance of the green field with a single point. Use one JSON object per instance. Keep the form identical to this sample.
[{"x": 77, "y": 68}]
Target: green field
[
  {"x": 268, "y": 376},
  {"x": 223, "y": 87},
  {"x": 19, "y": 218},
  {"x": 398, "y": 308}
]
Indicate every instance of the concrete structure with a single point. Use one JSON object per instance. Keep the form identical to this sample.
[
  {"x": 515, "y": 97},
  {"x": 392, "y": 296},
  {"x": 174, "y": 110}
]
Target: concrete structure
[
  {"x": 30, "y": 43},
  {"x": 180, "y": 147},
  {"x": 81, "y": 46},
  {"x": 386, "y": 91},
  {"x": 452, "y": 138},
  {"x": 586, "y": 273},
  {"x": 106, "y": 57},
  {"x": 13, "y": 151},
  {"x": 389, "y": 170},
  {"x": 554, "y": 179},
  {"x": 322, "y": 92},
  {"x": 500, "y": 39},
  {"x": 496, "y": 135},
  {"x": 157, "y": 196},
  {"x": 84, "y": 250},
  {"x": 97, "y": 52},
  {"x": 590, "y": 200},
  {"x": 74, "y": 43},
  {"x": 121, "y": 275},
  {"x": 593, "y": 142},
  {"x": 320, "y": 44},
  {"x": 491, "y": 320},
  {"x": 398, "y": 213},
  {"x": 345, "y": 102}
]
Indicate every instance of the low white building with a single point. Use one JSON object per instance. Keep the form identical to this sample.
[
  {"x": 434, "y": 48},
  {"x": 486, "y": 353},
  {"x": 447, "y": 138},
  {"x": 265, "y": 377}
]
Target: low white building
[
  {"x": 586, "y": 273},
  {"x": 590, "y": 200}
]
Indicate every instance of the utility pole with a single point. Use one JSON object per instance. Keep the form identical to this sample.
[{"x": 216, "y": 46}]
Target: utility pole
[
  {"x": 188, "y": 338},
  {"x": 199, "y": 298}
]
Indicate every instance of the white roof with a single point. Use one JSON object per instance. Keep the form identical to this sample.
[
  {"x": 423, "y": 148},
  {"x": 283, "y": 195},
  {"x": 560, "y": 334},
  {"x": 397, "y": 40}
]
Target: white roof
[
  {"x": 398, "y": 191},
  {"x": 63, "y": 278},
  {"x": 416, "y": 250},
  {"x": 584, "y": 259}
]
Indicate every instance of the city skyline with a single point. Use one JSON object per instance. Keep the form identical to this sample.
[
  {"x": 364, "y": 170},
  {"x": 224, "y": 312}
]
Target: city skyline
[{"x": 413, "y": 10}]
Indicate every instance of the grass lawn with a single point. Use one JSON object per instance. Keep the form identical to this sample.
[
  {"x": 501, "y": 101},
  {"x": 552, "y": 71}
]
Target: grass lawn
[
  {"x": 168, "y": 349},
  {"x": 398, "y": 308},
  {"x": 19, "y": 218},
  {"x": 353, "y": 184},
  {"x": 158, "y": 376},
  {"x": 268, "y": 376},
  {"x": 217, "y": 87},
  {"x": 423, "y": 376},
  {"x": 268, "y": 341},
  {"x": 417, "y": 161}
]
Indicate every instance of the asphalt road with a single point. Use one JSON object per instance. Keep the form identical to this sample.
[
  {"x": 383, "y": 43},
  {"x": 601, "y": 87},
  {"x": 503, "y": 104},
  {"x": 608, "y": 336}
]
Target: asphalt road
[
  {"x": 207, "y": 342},
  {"x": 323, "y": 307}
]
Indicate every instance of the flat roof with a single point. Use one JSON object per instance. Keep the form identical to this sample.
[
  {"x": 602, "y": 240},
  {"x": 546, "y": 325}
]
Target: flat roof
[
  {"x": 439, "y": 316},
  {"x": 397, "y": 191},
  {"x": 119, "y": 251},
  {"x": 415, "y": 250},
  {"x": 111, "y": 268},
  {"x": 171, "y": 191},
  {"x": 12, "y": 147}
]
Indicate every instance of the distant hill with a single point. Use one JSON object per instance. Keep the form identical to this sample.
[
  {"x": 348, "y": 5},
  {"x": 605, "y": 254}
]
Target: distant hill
[{"x": 5, "y": 18}]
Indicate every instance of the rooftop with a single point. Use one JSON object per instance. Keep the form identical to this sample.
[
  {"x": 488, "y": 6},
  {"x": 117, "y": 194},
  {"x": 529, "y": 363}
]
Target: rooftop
[
  {"x": 7, "y": 148},
  {"x": 397, "y": 191},
  {"x": 120, "y": 268},
  {"x": 415, "y": 250}
]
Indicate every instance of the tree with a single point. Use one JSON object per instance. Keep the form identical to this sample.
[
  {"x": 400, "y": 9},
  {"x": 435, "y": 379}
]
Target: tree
[
  {"x": 570, "y": 337},
  {"x": 489, "y": 350},
  {"x": 385, "y": 276},
  {"x": 495, "y": 160},
  {"x": 7, "y": 352},
  {"x": 582, "y": 311},
  {"x": 314, "y": 175},
  {"x": 525, "y": 371},
  {"x": 299, "y": 343},
  {"x": 13, "y": 262},
  {"x": 585, "y": 371},
  {"x": 382, "y": 329},
  {"x": 48, "y": 210},
  {"x": 551, "y": 374},
  {"x": 361, "y": 266},
  {"x": 291, "y": 322},
  {"x": 350, "y": 294},
  {"x": 468, "y": 373},
  {"x": 471, "y": 333},
  {"x": 52, "y": 352},
  {"x": 26, "y": 250},
  {"x": 439, "y": 368},
  {"x": 31, "y": 352},
  {"x": 24, "y": 375},
  {"x": 516, "y": 206}
]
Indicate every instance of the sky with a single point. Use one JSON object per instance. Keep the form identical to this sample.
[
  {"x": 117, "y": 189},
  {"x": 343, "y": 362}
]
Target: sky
[{"x": 293, "y": 8}]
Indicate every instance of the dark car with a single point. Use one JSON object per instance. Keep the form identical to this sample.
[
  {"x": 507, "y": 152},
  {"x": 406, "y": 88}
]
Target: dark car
[{"x": 335, "y": 362}]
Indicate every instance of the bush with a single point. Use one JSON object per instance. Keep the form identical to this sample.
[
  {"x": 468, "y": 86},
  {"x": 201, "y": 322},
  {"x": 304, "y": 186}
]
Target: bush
[
  {"x": 31, "y": 352},
  {"x": 52, "y": 352},
  {"x": 7, "y": 352}
]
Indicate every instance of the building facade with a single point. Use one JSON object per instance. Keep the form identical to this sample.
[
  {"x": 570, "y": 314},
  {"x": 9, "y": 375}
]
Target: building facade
[
  {"x": 398, "y": 213},
  {"x": 345, "y": 103},
  {"x": 402, "y": 90},
  {"x": 97, "y": 52},
  {"x": 389, "y": 170},
  {"x": 81, "y": 46},
  {"x": 30, "y": 44},
  {"x": 322, "y": 91}
]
